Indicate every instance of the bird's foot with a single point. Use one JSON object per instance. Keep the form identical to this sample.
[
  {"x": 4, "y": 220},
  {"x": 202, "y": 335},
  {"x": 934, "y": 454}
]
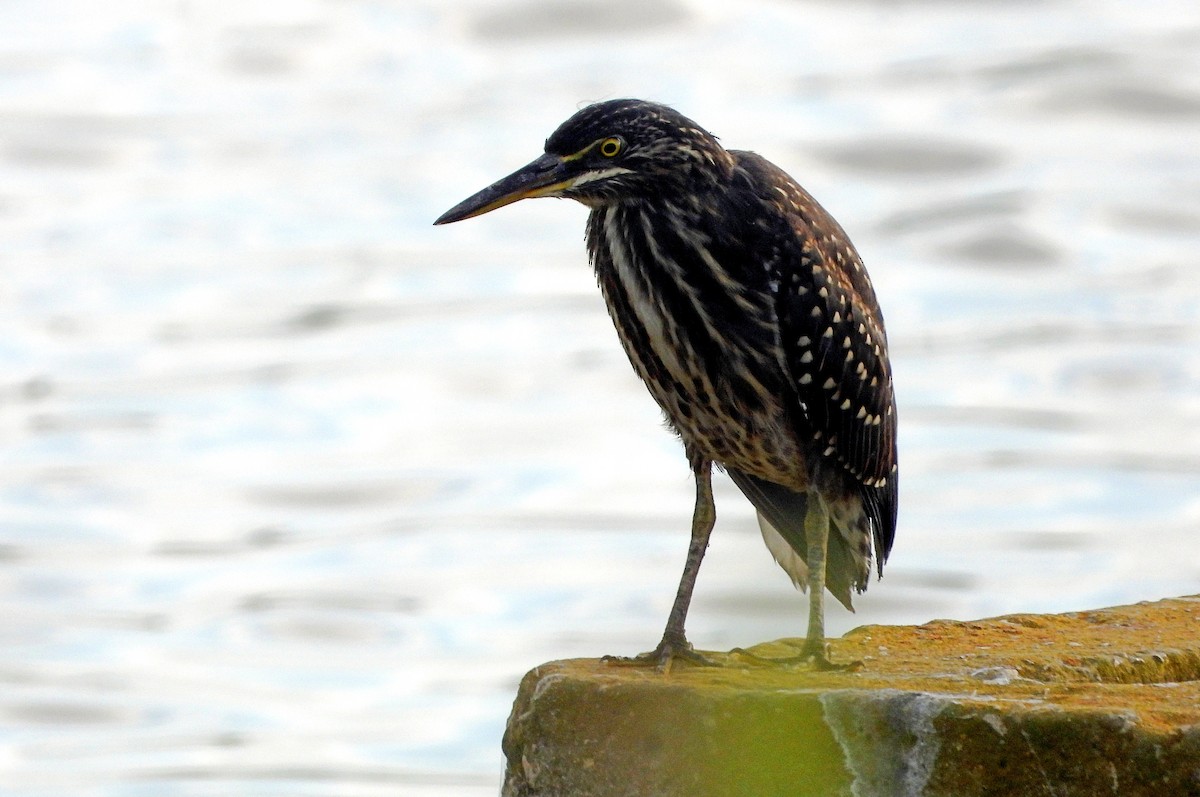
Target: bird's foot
[
  {"x": 671, "y": 650},
  {"x": 821, "y": 663},
  {"x": 815, "y": 653}
]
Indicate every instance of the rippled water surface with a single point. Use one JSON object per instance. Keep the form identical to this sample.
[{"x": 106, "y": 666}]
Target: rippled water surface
[{"x": 294, "y": 487}]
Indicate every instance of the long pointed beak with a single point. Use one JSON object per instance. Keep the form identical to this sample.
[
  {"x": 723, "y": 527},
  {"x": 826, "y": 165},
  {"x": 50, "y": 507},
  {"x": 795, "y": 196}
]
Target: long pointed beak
[{"x": 543, "y": 177}]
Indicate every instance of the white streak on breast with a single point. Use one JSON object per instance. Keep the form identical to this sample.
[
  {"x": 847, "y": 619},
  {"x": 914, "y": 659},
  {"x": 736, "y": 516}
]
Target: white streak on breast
[{"x": 644, "y": 306}]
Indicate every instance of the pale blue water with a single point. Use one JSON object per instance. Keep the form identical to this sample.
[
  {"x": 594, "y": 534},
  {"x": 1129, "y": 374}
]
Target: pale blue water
[{"x": 294, "y": 487}]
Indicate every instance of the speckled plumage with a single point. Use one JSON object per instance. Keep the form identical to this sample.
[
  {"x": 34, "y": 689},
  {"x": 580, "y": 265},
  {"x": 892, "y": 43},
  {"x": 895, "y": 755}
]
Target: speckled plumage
[{"x": 747, "y": 312}]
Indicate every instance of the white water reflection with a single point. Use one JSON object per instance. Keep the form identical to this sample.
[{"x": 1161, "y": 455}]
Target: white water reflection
[{"x": 294, "y": 487}]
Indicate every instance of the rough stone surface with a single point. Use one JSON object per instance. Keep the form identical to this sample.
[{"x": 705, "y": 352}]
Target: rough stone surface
[{"x": 1103, "y": 702}]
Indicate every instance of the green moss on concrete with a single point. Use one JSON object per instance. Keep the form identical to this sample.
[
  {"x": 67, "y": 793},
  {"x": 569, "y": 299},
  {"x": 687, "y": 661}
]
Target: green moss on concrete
[
  {"x": 1087, "y": 703},
  {"x": 598, "y": 734}
]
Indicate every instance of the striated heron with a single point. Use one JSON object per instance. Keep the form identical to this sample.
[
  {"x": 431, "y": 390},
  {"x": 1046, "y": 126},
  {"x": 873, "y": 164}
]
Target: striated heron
[{"x": 749, "y": 315}]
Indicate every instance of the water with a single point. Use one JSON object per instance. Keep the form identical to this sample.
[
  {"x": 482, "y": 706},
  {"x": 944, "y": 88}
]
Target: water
[{"x": 294, "y": 487}]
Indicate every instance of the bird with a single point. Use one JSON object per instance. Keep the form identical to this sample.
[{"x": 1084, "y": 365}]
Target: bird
[{"x": 749, "y": 315}]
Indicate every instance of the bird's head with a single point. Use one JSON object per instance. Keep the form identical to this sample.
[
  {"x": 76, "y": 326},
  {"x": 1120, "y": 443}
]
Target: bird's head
[{"x": 610, "y": 152}]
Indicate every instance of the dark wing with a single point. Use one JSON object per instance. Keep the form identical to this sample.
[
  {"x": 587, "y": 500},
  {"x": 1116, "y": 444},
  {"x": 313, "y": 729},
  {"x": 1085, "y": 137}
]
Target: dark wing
[{"x": 833, "y": 340}]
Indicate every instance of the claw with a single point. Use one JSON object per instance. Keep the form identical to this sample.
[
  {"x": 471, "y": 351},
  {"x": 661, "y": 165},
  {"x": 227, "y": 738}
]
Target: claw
[
  {"x": 664, "y": 657},
  {"x": 814, "y": 653}
]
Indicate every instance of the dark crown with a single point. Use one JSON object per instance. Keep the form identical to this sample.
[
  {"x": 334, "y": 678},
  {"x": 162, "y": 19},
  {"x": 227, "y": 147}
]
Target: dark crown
[{"x": 660, "y": 145}]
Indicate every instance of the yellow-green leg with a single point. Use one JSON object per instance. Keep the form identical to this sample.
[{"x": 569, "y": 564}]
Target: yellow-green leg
[
  {"x": 816, "y": 531},
  {"x": 674, "y": 644}
]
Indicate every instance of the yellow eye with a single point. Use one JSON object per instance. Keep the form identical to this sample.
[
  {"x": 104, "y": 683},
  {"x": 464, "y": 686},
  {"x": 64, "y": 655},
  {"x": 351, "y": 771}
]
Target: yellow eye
[{"x": 609, "y": 147}]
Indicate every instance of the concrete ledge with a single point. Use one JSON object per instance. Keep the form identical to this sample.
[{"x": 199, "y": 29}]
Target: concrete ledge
[{"x": 1102, "y": 702}]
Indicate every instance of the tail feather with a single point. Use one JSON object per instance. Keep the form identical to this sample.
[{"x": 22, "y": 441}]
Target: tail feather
[{"x": 781, "y": 512}]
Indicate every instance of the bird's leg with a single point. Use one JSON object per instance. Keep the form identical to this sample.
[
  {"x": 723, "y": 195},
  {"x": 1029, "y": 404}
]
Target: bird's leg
[
  {"x": 674, "y": 644},
  {"x": 815, "y": 651},
  {"x": 704, "y": 517},
  {"x": 816, "y": 531}
]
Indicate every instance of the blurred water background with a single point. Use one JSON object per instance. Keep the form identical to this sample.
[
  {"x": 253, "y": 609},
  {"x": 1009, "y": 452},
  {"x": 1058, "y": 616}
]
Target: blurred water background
[{"x": 294, "y": 487}]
